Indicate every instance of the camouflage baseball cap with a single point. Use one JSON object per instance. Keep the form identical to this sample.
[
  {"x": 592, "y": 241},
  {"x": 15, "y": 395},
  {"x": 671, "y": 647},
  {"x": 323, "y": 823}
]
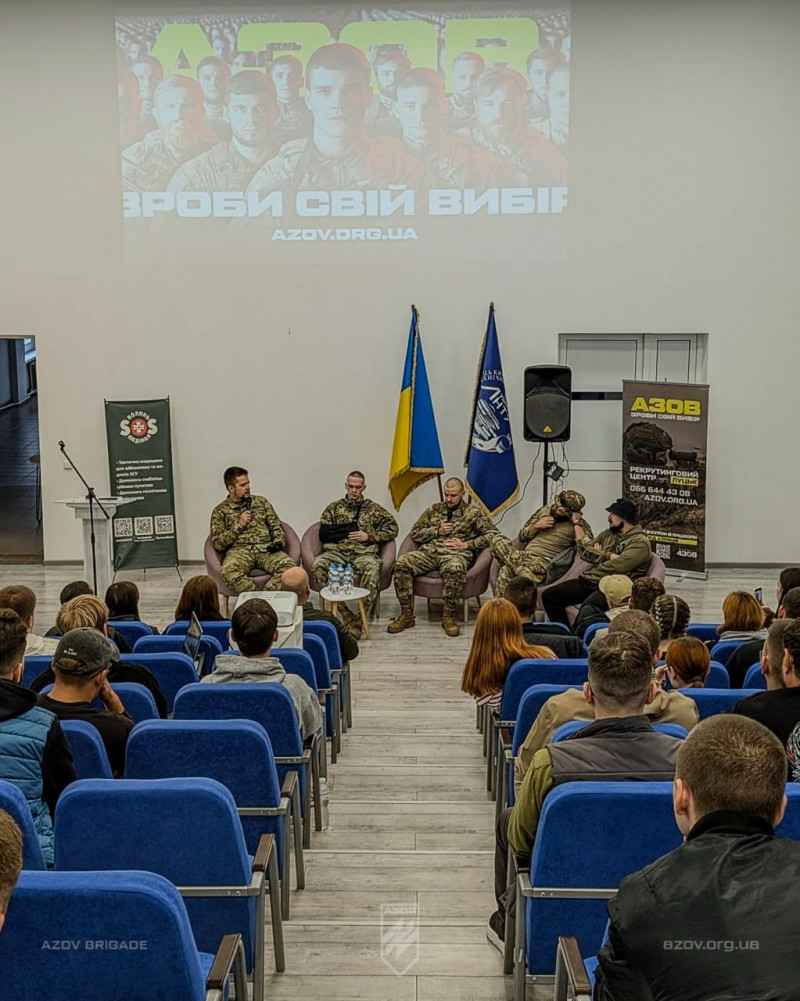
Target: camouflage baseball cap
[
  {"x": 569, "y": 501},
  {"x": 88, "y": 651}
]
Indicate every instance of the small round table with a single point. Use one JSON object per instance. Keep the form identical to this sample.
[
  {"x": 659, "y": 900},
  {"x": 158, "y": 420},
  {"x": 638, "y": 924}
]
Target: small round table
[{"x": 356, "y": 594}]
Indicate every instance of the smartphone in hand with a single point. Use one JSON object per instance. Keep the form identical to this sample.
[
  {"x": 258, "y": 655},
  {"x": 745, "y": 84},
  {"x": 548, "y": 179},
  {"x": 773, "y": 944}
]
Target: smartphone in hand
[{"x": 759, "y": 593}]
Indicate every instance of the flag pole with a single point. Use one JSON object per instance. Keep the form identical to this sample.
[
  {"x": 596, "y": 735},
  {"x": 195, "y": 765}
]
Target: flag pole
[{"x": 439, "y": 481}]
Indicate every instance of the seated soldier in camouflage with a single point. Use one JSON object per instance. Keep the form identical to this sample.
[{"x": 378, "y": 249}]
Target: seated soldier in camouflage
[
  {"x": 351, "y": 530},
  {"x": 249, "y": 531},
  {"x": 449, "y": 535},
  {"x": 544, "y": 536}
]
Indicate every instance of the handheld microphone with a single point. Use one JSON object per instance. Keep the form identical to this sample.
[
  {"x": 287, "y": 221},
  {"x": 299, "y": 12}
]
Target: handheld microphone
[
  {"x": 247, "y": 503},
  {"x": 448, "y": 515}
]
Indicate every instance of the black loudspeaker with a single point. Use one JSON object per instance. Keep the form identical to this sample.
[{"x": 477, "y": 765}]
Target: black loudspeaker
[{"x": 548, "y": 402}]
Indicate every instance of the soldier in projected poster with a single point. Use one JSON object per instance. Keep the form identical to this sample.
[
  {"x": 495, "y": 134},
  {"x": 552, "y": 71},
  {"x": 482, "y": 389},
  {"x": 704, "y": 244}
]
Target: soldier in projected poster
[{"x": 664, "y": 473}]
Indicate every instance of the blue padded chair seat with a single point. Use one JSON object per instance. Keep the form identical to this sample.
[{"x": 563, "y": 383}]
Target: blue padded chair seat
[{"x": 16, "y": 806}]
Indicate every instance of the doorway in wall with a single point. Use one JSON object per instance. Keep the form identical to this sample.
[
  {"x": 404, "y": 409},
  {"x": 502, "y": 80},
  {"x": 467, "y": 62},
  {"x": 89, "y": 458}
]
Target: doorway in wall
[{"x": 20, "y": 476}]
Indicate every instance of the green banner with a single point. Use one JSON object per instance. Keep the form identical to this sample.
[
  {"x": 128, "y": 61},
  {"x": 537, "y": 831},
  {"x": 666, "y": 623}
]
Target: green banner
[{"x": 140, "y": 466}]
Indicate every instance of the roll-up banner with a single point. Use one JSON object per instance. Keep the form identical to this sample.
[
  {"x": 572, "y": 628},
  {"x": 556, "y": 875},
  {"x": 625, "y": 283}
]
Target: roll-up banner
[
  {"x": 140, "y": 466},
  {"x": 664, "y": 441}
]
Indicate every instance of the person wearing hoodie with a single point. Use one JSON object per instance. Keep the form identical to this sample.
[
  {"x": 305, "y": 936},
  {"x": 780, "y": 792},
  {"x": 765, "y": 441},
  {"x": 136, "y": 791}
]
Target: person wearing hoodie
[
  {"x": 622, "y": 549},
  {"x": 23, "y": 601},
  {"x": 254, "y": 628},
  {"x": 664, "y": 707},
  {"x": 34, "y": 752}
]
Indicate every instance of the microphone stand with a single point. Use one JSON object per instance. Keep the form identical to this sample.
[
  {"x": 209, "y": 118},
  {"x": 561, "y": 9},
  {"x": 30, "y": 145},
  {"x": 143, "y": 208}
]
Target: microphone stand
[{"x": 91, "y": 496}]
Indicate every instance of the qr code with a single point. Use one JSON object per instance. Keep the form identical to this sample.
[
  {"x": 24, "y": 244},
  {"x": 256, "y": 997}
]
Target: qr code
[
  {"x": 123, "y": 528},
  {"x": 165, "y": 524},
  {"x": 144, "y": 526},
  {"x": 663, "y": 552}
]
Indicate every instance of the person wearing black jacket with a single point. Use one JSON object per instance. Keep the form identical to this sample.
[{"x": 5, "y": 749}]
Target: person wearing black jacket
[
  {"x": 715, "y": 918},
  {"x": 522, "y": 592},
  {"x": 34, "y": 753}
]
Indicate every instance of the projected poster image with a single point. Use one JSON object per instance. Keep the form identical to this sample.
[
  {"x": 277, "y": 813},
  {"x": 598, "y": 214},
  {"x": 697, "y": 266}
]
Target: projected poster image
[{"x": 345, "y": 134}]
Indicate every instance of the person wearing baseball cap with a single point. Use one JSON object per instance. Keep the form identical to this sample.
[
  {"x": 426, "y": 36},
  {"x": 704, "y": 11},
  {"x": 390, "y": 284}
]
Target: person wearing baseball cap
[
  {"x": 623, "y": 548},
  {"x": 616, "y": 592},
  {"x": 80, "y": 664},
  {"x": 547, "y": 534}
]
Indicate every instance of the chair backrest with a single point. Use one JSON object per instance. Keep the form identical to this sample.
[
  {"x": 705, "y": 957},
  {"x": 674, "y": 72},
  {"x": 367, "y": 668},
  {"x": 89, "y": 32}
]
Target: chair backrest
[
  {"x": 567, "y": 729},
  {"x": 172, "y": 671},
  {"x": 268, "y": 704},
  {"x": 523, "y": 674},
  {"x": 297, "y": 662},
  {"x": 173, "y": 643},
  {"x": 754, "y": 679},
  {"x": 530, "y": 705},
  {"x": 138, "y": 700},
  {"x": 130, "y": 630},
  {"x": 560, "y": 626},
  {"x": 718, "y": 676},
  {"x": 185, "y": 829},
  {"x": 325, "y": 631},
  {"x": 595, "y": 627},
  {"x": 318, "y": 652},
  {"x": 219, "y": 630},
  {"x": 720, "y": 652},
  {"x": 789, "y": 827},
  {"x": 711, "y": 701},
  {"x": 657, "y": 568},
  {"x": 705, "y": 631},
  {"x": 235, "y": 752},
  {"x": 140, "y": 912},
  {"x": 88, "y": 749},
  {"x": 620, "y": 827},
  {"x": 16, "y": 806},
  {"x": 33, "y": 666}
]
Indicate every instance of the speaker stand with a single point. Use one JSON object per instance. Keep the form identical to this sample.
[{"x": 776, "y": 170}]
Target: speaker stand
[{"x": 544, "y": 472}]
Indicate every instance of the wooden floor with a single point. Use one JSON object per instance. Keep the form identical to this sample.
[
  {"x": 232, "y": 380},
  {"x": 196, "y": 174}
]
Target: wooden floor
[{"x": 411, "y": 824}]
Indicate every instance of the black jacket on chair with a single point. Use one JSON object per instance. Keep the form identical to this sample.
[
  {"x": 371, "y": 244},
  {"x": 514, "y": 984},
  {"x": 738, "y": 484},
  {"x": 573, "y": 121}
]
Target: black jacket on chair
[{"x": 714, "y": 919}]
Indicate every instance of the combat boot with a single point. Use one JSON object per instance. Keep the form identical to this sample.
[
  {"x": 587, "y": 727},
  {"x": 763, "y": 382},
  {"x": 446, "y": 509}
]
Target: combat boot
[
  {"x": 352, "y": 622},
  {"x": 405, "y": 620},
  {"x": 449, "y": 623}
]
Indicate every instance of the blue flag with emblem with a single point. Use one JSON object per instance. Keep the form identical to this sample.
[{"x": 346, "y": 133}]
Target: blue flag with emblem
[{"x": 491, "y": 468}]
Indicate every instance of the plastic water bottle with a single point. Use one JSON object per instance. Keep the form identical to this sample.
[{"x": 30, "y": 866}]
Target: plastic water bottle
[
  {"x": 325, "y": 797},
  {"x": 348, "y": 579},
  {"x": 333, "y": 578}
]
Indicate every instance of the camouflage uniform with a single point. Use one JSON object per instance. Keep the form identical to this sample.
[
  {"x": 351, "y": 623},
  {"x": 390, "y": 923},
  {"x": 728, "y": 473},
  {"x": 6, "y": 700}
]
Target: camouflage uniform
[
  {"x": 462, "y": 116},
  {"x": 295, "y": 121},
  {"x": 149, "y": 164},
  {"x": 381, "y": 119},
  {"x": 217, "y": 123},
  {"x": 470, "y": 525},
  {"x": 259, "y": 546},
  {"x": 371, "y": 518},
  {"x": 543, "y": 545},
  {"x": 531, "y": 160},
  {"x": 222, "y": 168},
  {"x": 370, "y": 163},
  {"x": 456, "y": 162}
]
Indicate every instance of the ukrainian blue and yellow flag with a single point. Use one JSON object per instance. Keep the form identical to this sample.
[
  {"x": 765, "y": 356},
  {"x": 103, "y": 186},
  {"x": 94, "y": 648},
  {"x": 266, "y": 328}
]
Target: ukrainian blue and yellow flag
[
  {"x": 416, "y": 456},
  {"x": 491, "y": 469}
]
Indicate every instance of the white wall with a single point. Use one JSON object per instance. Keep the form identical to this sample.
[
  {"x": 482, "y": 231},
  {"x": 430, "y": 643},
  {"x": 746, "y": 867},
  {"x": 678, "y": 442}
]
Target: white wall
[{"x": 682, "y": 217}]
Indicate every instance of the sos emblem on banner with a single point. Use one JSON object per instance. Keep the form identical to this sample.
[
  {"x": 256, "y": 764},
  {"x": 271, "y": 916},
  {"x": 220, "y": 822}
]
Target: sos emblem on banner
[{"x": 138, "y": 427}]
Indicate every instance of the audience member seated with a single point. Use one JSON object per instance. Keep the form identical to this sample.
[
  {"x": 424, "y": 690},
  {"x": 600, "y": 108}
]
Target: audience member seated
[
  {"x": 665, "y": 706},
  {"x": 522, "y": 592},
  {"x": 672, "y": 616},
  {"x": 742, "y": 619},
  {"x": 788, "y": 579},
  {"x": 199, "y": 596},
  {"x": 779, "y": 709},
  {"x": 88, "y": 612},
  {"x": 69, "y": 591},
  {"x": 77, "y": 589},
  {"x": 254, "y": 628},
  {"x": 729, "y": 887},
  {"x": 23, "y": 601},
  {"x": 295, "y": 579},
  {"x": 34, "y": 753},
  {"x": 496, "y": 644},
  {"x": 644, "y": 592},
  {"x": 771, "y": 659},
  {"x": 747, "y": 654},
  {"x": 621, "y": 745},
  {"x": 81, "y": 664},
  {"x": 611, "y": 597},
  {"x": 687, "y": 663},
  {"x": 10, "y": 861},
  {"x": 122, "y": 601}
]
